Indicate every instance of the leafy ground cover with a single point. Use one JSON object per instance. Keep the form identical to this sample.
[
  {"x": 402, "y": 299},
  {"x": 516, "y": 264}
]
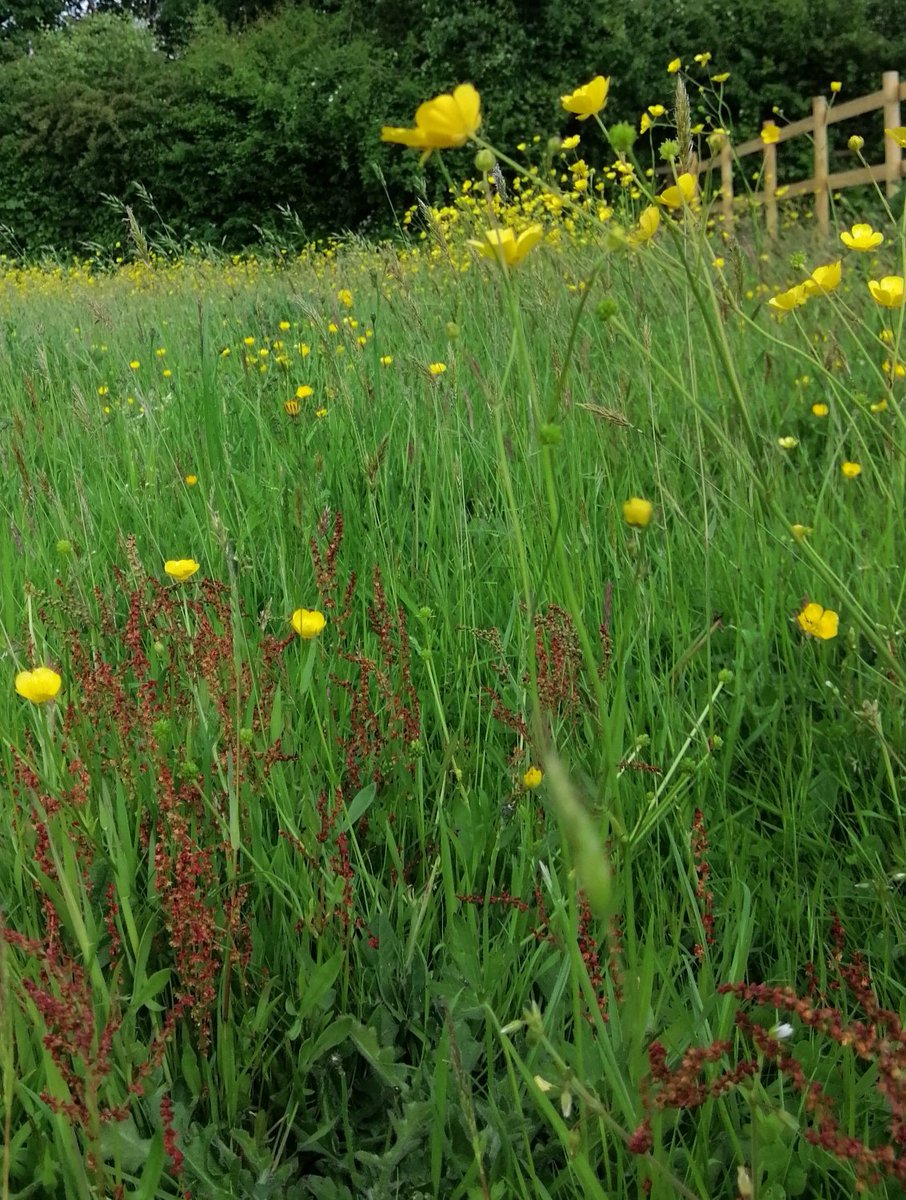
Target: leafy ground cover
[{"x": 468, "y": 754}]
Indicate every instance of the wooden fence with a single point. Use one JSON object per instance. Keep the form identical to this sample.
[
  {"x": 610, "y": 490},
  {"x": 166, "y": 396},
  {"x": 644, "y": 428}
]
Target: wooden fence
[{"x": 822, "y": 183}]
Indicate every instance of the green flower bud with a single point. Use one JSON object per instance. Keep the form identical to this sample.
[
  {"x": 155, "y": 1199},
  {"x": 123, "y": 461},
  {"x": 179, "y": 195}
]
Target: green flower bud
[
  {"x": 669, "y": 150},
  {"x": 725, "y": 676},
  {"x": 64, "y": 547},
  {"x": 797, "y": 260},
  {"x": 452, "y": 330},
  {"x": 550, "y": 435},
  {"x": 622, "y": 135},
  {"x": 246, "y": 736},
  {"x": 554, "y": 145},
  {"x": 484, "y": 161},
  {"x": 158, "y": 647},
  {"x": 606, "y": 308}
]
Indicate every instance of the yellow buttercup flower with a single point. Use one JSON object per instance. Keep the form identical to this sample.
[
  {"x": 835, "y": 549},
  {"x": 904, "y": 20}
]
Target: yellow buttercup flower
[
  {"x": 888, "y": 292},
  {"x": 532, "y": 778},
  {"x": 820, "y": 410},
  {"x": 637, "y": 512},
  {"x": 721, "y": 78},
  {"x": 437, "y": 368},
  {"x": 704, "y": 58},
  {"x": 856, "y": 143},
  {"x": 344, "y": 295},
  {"x": 181, "y": 569},
  {"x": 794, "y": 297},
  {"x": 898, "y": 135},
  {"x": 656, "y": 110},
  {"x": 800, "y": 532},
  {"x": 770, "y": 133},
  {"x": 589, "y": 99},
  {"x": 649, "y": 220},
  {"x": 386, "y": 360},
  {"x": 850, "y": 470},
  {"x": 308, "y": 623},
  {"x": 674, "y": 65},
  {"x": 504, "y": 245},
  {"x": 304, "y": 391},
  {"x": 38, "y": 686},
  {"x": 442, "y": 123},
  {"x": 682, "y": 192},
  {"x": 787, "y": 443},
  {"x": 824, "y": 279},
  {"x": 836, "y": 86},
  {"x": 861, "y": 237},
  {"x": 190, "y": 480},
  {"x": 818, "y": 622}
]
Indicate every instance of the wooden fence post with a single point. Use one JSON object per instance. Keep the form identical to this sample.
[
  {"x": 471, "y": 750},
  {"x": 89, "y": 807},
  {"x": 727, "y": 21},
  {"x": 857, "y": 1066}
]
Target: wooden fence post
[
  {"x": 893, "y": 154},
  {"x": 726, "y": 183},
  {"x": 769, "y": 174},
  {"x": 820, "y": 173}
]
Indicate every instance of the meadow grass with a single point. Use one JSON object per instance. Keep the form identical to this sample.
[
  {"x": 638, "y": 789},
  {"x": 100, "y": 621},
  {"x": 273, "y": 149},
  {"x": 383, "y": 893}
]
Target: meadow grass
[{"x": 297, "y": 893}]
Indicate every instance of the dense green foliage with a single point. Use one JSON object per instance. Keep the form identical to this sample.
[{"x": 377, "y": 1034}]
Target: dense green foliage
[{"x": 227, "y": 113}]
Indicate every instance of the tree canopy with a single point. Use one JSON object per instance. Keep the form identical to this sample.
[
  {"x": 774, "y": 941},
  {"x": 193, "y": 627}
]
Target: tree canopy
[{"x": 227, "y": 111}]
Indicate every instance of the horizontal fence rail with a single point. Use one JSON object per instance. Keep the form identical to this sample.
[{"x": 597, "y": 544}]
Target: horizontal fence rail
[{"x": 889, "y": 172}]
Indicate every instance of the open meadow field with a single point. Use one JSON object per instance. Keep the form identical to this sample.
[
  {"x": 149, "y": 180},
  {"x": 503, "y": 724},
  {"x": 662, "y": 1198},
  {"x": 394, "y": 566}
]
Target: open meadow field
[{"x": 451, "y": 725}]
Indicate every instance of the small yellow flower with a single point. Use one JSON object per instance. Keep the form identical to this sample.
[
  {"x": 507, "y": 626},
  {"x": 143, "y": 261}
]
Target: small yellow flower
[
  {"x": 344, "y": 295},
  {"x": 190, "y": 480},
  {"x": 851, "y": 470},
  {"x": 800, "y": 532},
  {"x": 437, "y": 368},
  {"x": 836, "y": 86},
  {"x": 386, "y": 360},
  {"x": 320, "y": 412},
  {"x": 674, "y": 65},
  {"x": 824, "y": 279},
  {"x": 656, "y": 110},
  {"x": 794, "y": 297},
  {"x": 898, "y": 135},
  {"x": 135, "y": 364},
  {"x": 721, "y": 78},
  {"x": 861, "y": 237},
  {"x": 589, "y": 99},
  {"x": 818, "y": 622},
  {"x": 856, "y": 143},
  {"x": 570, "y": 143},
  {"x": 167, "y": 373},
  {"x": 292, "y": 407},
  {"x": 505, "y": 246},
  {"x": 770, "y": 133},
  {"x": 888, "y": 292},
  {"x": 249, "y": 341},
  {"x": 637, "y": 512},
  {"x": 879, "y": 407},
  {"x": 532, "y": 778},
  {"x": 284, "y": 325},
  {"x": 787, "y": 443},
  {"x": 304, "y": 391},
  {"x": 38, "y": 686},
  {"x": 304, "y": 350},
  {"x": 332, "y": 327},
  {"x": 442, "y": 123},
  {"x": 308, "y": 623},
  {"x": 649, "y": 221},
  {"x": 682, "y": 192},
  {"x": 704, "y": 58},
  {"x": 820, "y": 410},
  {"x": 181, "y": 569},
  {"x": 103, "y": 390}
]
